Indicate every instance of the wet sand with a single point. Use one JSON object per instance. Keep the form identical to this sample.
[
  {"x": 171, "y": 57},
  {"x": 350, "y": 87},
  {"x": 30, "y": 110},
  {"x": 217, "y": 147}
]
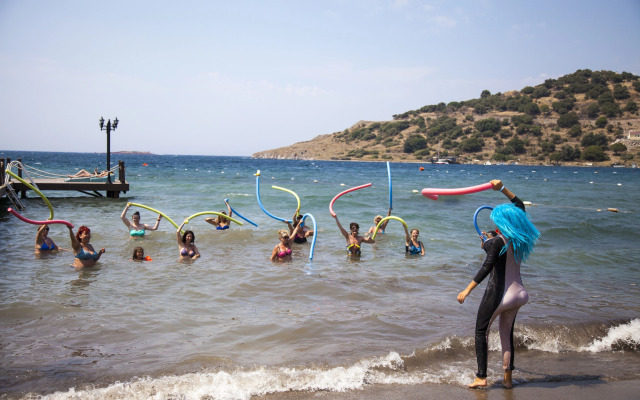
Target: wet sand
[{"x": 583, "y": 390}]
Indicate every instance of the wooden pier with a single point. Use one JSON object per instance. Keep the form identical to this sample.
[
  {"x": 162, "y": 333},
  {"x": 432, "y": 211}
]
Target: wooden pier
[{"x": 92, "y": 188}]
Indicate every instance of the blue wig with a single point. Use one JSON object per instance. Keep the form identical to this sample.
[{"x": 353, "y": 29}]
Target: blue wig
[{"x": 515, "y": 225}]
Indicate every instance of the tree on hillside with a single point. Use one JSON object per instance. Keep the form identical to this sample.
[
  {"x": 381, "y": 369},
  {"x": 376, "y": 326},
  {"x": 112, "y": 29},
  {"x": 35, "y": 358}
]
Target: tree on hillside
[
  {"x": 618, "y": 148},
  {"x": 414, "y": 142},
  {"x": 568, "y": 120},
  {"x": 594, "y": 139},
  {"x": 601, "y": 122},
  {"x": 593, "y": 110},
  {"x": 620, "y": 92},
  {"x": 594, "y": 153},
  {"x": 485, "y": 93}
]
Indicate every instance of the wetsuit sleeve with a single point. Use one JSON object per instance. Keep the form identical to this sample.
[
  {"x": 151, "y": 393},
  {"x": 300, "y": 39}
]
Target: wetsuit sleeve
[
  {"x": 518, "y": 203},
  {"x": 492, "y": 247}
]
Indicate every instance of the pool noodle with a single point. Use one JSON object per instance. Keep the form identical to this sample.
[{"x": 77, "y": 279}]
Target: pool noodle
[
  {"x": 155, "y": 211},
  {"x": 293, "y": 193},
  {"x": 260, "y": 201},
  {"x": 390, "y": 191},
  {"x": 333, "y": 214},
  {"x": 30, "y": 186},
  {"x": 315, "y": 233},
  {"x": 384, "y": 219},
  {"x": 475, "y": 221},
  {"x": 240, "y": 215},
  {"x": 433, "y": 193},
  {"x": 47, "y": 222},
  {"x": 186, "y": 221}
]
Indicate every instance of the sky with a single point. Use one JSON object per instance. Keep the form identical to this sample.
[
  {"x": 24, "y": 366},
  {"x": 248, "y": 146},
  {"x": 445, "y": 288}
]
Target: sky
[{"x": 236, "y": 77}]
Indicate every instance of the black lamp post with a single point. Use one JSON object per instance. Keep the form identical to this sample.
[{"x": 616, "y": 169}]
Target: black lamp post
[{"x": 108, "y": 128}]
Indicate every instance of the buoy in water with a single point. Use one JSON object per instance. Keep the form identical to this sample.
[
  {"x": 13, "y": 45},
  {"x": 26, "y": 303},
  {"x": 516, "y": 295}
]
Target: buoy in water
[
  {"x": 421, "y": 168},
  {"x": 612, "y": 209},
  {"x": 144, "y": 164}
]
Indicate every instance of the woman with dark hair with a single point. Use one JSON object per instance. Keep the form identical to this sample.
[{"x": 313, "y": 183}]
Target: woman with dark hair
[
  {"x": 186, "y": 244},
  {"x": 301, "y": 235},
  {"x": 412, "y": 244},
  {"x": 83, "y": 251},
  {"x": 135, "y": 227},
  {"x": 354, "y": 240},
  {"x": 44, "y": 244},
  {"x": 221, "y": 223},
  {"x": 505, "y": 294}
]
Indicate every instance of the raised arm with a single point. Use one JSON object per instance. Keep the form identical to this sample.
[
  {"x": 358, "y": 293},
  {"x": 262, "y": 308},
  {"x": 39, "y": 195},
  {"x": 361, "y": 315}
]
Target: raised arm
[
  {"x": 228, "y": 208},
  {"x": 384, "y": 224},
  {"x": 124, "y": 216},
  {"x": 155, "y": 226},
  {"x": 499, "y": 186},
  {"x": 344, "y": 233},
  {"x": 407, "y": 236},
  {"x": 75, "y": 245},
  {"x": 39, "y": 236},
  {"x": 180, "y": 242}
]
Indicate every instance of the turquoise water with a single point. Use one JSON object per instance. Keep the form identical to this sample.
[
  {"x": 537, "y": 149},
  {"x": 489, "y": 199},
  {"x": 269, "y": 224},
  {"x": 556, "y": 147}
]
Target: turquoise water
[{"x": 233, "y": 324}]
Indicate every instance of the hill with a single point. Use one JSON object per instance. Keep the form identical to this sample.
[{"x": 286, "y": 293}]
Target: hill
[{"x": 584, "y": 117}]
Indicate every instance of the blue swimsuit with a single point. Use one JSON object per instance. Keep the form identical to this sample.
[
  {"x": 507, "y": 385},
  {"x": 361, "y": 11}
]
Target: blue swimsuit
[
  {"x": 46, "y": 247},
  {"x": 411, "y": 249},
  {"x": 87, "y": 255}
]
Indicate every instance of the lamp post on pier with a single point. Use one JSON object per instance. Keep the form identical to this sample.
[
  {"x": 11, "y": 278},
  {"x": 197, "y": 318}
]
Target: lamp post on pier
[{"x": 108, "y": 128}]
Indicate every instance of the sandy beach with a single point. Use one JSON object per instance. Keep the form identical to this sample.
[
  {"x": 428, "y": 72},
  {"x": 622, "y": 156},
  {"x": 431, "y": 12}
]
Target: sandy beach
[{"x": 584, "y": 390}]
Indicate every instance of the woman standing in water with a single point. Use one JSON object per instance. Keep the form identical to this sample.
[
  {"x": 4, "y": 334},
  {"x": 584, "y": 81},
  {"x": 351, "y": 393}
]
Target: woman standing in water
[
  {"x": 282, "y": 251},
  {"x": 84, "y": 253},
  {"x": 44, "y": 244},
  {"x": 505, "y": 293},
  {"x": 135, "y": 227},
  {"x": 186, "y": 244},
  {"x": 412, "y": 244},
  {"x": 221, "y": 223}
]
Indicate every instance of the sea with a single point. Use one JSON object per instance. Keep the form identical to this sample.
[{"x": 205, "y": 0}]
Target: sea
[{"x": 235, "y": 325}]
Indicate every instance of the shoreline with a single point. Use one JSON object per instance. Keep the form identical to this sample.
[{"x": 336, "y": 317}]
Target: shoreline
[{"x": 593, "y": 389}]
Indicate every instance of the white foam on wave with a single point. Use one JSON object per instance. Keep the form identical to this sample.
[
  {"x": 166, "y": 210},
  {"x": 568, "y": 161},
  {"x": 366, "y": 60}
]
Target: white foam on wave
[
  {"x": 628, "y": 333},
  {"x": 242, "y": 384}
]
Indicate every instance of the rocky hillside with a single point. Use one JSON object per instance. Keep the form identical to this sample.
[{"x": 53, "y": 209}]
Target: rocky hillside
[{"x": 584, "y": 117}]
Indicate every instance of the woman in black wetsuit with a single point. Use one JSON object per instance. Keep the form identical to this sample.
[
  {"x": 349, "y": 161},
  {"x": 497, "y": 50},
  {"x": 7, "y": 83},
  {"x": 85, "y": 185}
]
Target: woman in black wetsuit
[{"x": 505, "y": 293}]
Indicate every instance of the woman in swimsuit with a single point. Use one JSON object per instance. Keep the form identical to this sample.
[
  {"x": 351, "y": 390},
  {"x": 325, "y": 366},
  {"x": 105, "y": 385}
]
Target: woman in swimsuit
[
  {"x": 44, "y": 244},
  {"x": 505, "y": 293},
  {"x": 412, "y": 244},
  {"x": 376, "y": 221},
  {"x": 353, "y": 239},
  {"x": 135, "y": 227},
  {"x": 220, "y": 222},
  {"x": 282, "y": 251},
  {"x": 301, "y": 236},
  {"x": 186, "y": 244},
  {"x": 84, "y": 253}
]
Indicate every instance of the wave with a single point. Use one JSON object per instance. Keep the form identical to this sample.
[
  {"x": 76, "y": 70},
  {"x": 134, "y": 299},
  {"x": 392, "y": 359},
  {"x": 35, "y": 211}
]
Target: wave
[{"x": 450, "y": 361}]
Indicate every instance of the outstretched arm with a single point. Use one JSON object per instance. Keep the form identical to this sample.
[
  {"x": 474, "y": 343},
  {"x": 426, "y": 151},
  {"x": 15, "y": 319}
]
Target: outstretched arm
[{"x": 407, "y": 236}]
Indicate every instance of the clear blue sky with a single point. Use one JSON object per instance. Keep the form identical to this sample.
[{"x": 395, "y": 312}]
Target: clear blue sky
[{"x": 236, "y": 77}]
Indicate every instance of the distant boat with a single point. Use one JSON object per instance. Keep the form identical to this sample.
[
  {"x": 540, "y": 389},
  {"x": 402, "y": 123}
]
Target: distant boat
[
  {"x": 487, "y": 163},
  {"x": 440, "y": 161}
]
